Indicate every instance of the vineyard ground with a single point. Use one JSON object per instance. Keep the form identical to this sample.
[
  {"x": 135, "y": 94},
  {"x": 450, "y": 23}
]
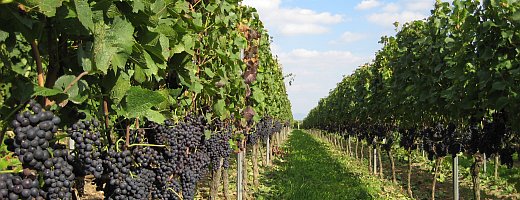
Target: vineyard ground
[
  {"x": 312, "y": 169},
  {"x": 422, "y": 174}
]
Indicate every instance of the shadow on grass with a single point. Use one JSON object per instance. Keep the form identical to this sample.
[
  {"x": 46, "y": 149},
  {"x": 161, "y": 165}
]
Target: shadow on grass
[{"x": 310, "y": 172}]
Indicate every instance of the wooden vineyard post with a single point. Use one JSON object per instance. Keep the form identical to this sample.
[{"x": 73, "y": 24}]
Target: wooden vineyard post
[
  {"x": 341, "y": 144},
  {"x": 349, "y": 150},
  {"x": 475, "y": 174},
  {"x": 356, "y": 149},
  {"x": 409, "y": 185},
  {"x": 239, "y": 175},
  {"x": 268, "y": 151},
  {"x": 392, "y": 163},
  {"x": 497, "y": 162},
  {"x": 225, "y": 184},
  {"x": 456, "y": 177},
  {"x": 485, "y": 166},
  {"x": 244, "y": 173},
  {"x": 438, "y": 162},
  {"x": 362, "y": 151},
  {"x": 215, "y": 180},
  {"x": 375, "y": 160},
  {"x": 255, "y": 166},
  {"x": 379, "y": 158}
]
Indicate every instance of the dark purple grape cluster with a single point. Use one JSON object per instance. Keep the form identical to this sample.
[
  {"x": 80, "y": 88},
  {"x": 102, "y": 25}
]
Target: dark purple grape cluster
[
  {"x": 118, "y": 165},
  {"x": 265, "y": 128},
  {"x": 34, "y": 131},
  {"x": 408, "y": 138},
  {"x": 218, "y": 148},
  {"x": 88, "y": 148},
  {"x": 14, "y": 187},
  {"x": 189, "y": 181},
  {"x": 58, "y": 174}
]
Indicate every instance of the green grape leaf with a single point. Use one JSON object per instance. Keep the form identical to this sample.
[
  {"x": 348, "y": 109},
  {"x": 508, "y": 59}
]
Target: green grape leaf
[
  {"x": 139, "y": 101},
  {"x": 139, "y": 75},
  {"x": 112, "y": 45},
  {"x": 137, "y": 6},
  {"x": 84, "y": 14},
  {"x": 196, "y": 87},
  {"x": 78, "y": 92},
  {"x": 84, "y": 56},
  {"x": 102, "y": 50},
  {"x": 48, "y": 7},
  {"x": 154, "y": 116},
  {"x": 165, "y": 45},
  {"x": 45, "y": 92},
  {"x": 498, "y": 86},
  {"x": 209, "y": 72},
  {"x": 122, "y": 85},
  {"x": 516, "y": 16},
  {"x": 220, "y": 108},
  {"x": 207, "y": 134}
]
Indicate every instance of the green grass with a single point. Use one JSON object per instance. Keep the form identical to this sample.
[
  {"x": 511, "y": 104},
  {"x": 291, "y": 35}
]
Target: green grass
[{"x": 310, "y": 171}]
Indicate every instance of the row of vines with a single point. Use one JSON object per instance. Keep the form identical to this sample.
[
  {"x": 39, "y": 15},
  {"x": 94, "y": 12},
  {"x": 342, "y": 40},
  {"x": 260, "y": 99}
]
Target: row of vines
[
  {"x": 447, "y": 84},
  {"x": 148, "y": 97}
]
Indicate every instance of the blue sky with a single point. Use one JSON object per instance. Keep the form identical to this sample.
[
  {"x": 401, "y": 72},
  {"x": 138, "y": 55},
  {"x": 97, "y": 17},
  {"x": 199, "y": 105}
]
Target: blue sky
[{"x": 321, "y": 41}]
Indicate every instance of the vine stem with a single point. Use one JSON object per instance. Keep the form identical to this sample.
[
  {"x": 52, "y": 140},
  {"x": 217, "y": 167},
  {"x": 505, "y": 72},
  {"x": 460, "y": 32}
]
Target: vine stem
[
  {"x": 38, "y": 60},
  {"x": 178, "y": 195},
  {"x": 72, "y": 83},
  {"x": 147, "y": 145},
  {"x": 75, "y": 81},
  {"x": 117, "y": 145},
  {"x": 137, "y": 123},
  {"x": 127, "y": 136},
  {"x": 105, "y": 111},
  {"x": 39, "y": 68},
  {"x": 11, "y": 171}
]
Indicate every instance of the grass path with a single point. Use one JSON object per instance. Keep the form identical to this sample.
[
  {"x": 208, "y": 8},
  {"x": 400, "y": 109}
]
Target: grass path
[{"x": 311, "y": 170}]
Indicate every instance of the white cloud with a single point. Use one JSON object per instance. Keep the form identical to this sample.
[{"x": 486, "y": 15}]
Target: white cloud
[
  {"x": 319, "y": 60},
  {"x": 293, "y": 21},
  {"x": 368, "y": 4},
  {"x": 419, "y": 5},
  {"x": 348, "y": 37},
  {"x": 316, "y": 73},
  {"x": 401, "y": 11},
  {"x": 388, "y": 18},
  {"x": 391, "y": 7}
]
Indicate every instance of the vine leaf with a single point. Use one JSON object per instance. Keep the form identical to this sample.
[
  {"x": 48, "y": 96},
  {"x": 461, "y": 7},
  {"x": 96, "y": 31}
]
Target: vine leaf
[
  {"x": 154, "y": 116},
  {"x": 118, "y": 91},
  {"x": 139, "y": 102},
  {"x": 220, "y": 108},
  {"x": 112, "y": 45},
  {"x": 84, "y": 55},
  {"x": 47, "y": 7},
  {"x": 45, "y": 92},
  {"x": 84, "y": 14},
  {"x": 78, "y": 93}
]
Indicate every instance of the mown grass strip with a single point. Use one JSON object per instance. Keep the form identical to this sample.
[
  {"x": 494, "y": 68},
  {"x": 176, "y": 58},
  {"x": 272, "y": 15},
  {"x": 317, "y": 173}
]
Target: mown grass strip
[{"x": 310, "y": 171}]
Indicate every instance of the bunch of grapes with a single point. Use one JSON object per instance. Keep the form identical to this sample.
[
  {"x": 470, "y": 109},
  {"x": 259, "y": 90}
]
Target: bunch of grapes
[
  {"x": 264, "y": 128},
  {"x": 34, "y": 130},
  {"x": 88, "y": 145},
  {"x": 125, "y": 181},
  {"x": 189, "y": 183},
  {"x": 58, "y": 175},
  {"x": 218, "y": 148},
  {"x": 14, "y": 187},
  {"x": 407, "y": 138}
]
